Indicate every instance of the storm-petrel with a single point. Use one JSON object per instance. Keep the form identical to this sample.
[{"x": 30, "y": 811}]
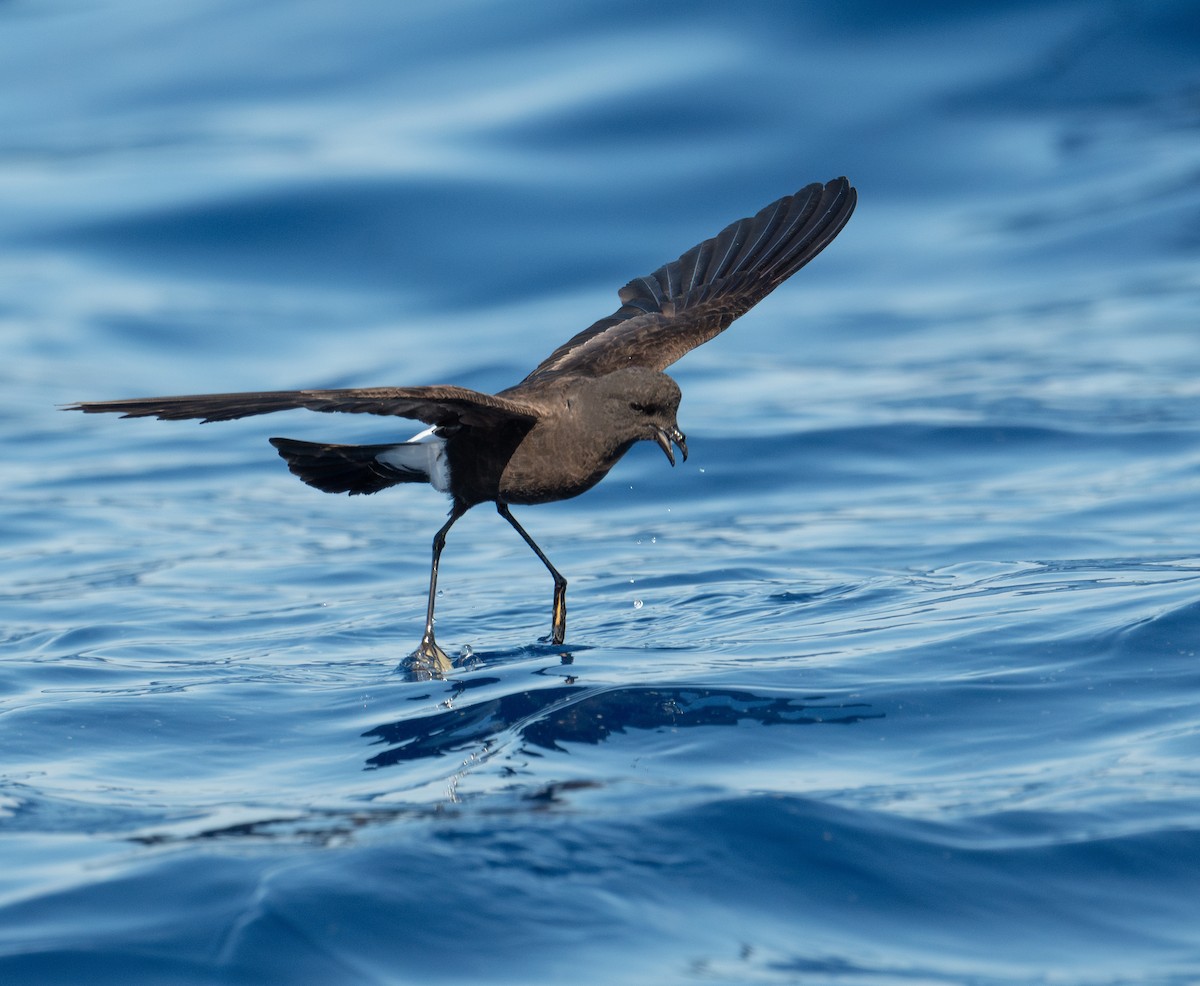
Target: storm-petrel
[{"x": 560, "y": 430}]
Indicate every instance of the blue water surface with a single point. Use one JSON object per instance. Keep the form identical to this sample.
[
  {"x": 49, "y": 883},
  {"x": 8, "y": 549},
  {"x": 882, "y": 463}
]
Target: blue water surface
[{"x": 896, "y": 680}]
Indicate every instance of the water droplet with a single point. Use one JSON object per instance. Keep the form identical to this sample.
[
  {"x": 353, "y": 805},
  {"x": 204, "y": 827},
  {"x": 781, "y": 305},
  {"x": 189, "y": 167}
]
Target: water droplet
[{"x": 637, "y": 604}]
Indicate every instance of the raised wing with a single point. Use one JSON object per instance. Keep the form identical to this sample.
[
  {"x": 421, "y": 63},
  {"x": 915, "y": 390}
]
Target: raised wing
[
  {"x": 442, "y": 406},
  {"x": 688, "y": 301}
]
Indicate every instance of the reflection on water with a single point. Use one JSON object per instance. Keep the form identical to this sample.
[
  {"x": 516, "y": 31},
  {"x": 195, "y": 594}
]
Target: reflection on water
[{"x": 549, "y": 717}]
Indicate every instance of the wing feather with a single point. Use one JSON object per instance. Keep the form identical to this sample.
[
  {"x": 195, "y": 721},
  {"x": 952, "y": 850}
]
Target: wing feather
[
  {"x": 438, "y": 405},
  {"x": 688, "y": 301}
]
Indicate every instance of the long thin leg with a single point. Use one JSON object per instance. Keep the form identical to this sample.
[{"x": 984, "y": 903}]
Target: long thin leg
[
  {"x": 429, "y": 651},
  {"x": 558, "y": 626}
]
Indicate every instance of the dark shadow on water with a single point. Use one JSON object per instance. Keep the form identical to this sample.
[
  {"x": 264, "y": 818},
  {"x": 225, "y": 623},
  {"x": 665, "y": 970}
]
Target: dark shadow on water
[
  {"x": 546, "y": 718},
  {"x": 536, "y": 721}
]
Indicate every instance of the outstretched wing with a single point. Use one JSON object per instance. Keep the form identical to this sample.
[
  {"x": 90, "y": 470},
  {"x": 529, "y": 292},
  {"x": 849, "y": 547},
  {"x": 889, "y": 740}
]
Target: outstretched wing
[
  {"x": 441, "y": 406},
  {"x": 685, "y": 303}
]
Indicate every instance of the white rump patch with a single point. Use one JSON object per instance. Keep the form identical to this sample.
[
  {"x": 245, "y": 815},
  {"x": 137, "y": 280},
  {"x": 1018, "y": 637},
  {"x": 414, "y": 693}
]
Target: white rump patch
[
  {"x": 425, "y": 436},
  {"x": 424, "y": 453}
]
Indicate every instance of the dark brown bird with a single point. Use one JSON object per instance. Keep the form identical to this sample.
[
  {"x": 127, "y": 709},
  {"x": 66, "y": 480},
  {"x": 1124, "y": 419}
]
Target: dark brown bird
[{"x": 560, "y": 430}]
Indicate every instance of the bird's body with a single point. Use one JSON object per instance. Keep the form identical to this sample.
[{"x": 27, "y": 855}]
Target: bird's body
[
  {"x": 583, "y": 430},
  {"x": 560, "y": 430}
]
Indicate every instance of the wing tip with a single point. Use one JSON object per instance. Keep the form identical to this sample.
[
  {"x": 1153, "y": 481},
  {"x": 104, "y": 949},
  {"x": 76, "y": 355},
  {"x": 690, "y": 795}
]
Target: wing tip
[
  {"x": 105, "y": 407},
  {"x": 843, "y": 190}
]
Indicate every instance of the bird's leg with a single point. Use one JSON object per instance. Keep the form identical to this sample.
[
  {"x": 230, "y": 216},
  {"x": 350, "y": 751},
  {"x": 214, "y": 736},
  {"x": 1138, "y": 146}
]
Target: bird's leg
[
  {"x": 558, "y": 626},
  {"x": 429, "y": 656}
]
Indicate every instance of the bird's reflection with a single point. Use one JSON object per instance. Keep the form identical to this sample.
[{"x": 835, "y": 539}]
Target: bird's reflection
[
  {"x": 483, "y": 714},
  {"x": 548, "y": 717}
]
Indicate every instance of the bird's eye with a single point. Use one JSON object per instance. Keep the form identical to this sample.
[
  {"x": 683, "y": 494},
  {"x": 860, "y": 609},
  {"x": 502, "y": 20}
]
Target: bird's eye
[{"x": 640, "y": 408}]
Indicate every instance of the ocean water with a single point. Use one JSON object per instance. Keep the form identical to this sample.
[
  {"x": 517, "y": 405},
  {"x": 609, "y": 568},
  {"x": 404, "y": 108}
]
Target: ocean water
[{"x": 895, "y": 680}]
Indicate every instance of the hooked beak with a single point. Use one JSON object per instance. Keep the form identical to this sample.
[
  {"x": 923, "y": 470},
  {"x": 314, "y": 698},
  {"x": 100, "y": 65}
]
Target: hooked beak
[{"x": 665, "y": 438}]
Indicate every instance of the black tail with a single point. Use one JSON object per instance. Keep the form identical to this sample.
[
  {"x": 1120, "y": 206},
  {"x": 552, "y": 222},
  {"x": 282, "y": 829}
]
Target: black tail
[{"x": 344, "y": 468}]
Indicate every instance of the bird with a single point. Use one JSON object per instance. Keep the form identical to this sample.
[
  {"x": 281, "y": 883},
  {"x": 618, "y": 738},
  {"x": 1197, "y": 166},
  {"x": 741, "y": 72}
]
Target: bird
[{"x": 559, "y": 431}]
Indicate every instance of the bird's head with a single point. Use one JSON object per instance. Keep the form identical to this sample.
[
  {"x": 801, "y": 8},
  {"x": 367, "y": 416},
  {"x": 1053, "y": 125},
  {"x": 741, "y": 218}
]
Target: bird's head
[{"x": 646, "y": 403}]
